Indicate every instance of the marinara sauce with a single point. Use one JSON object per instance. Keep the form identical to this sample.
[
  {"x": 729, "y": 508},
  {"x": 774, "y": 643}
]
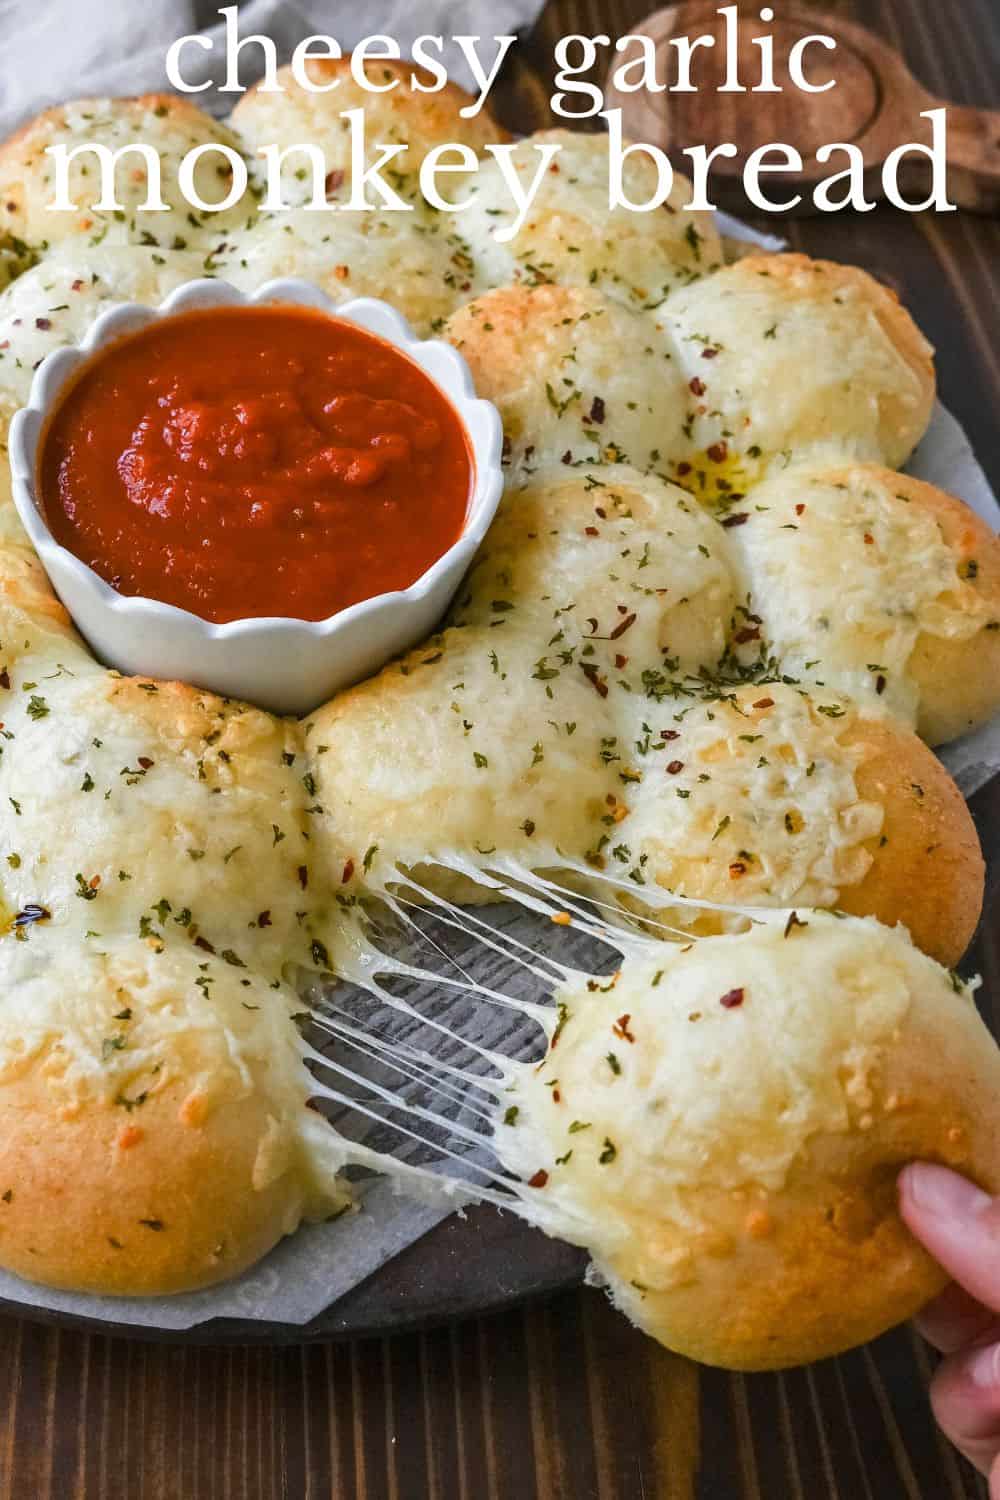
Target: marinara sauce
[{"x": 255, "y": 461}]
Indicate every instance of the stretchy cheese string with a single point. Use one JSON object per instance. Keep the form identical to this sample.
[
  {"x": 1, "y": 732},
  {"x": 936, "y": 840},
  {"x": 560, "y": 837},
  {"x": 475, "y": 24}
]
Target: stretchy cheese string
[{"x": 421, "y": 1104}]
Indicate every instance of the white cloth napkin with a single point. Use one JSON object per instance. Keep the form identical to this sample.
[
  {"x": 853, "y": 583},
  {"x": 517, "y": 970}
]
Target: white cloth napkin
[{"x": 64, "y": 49}]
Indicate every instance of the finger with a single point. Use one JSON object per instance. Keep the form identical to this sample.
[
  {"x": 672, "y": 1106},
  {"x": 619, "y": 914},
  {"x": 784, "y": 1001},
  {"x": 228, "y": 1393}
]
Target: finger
[
  {"x": 958, "y": 1223},
  {"x": 955, "y": 1320},
  {"x": 965, "y": 1396}
]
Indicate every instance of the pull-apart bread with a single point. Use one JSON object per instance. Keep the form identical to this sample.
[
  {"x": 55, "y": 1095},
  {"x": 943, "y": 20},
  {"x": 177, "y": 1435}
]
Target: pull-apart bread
[{"x": 696, "y": 667}]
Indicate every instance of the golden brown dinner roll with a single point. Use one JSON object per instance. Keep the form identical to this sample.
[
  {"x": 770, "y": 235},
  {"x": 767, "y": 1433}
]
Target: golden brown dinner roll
[
  {"x": 762, "y": 795},
  {"x": 54, "y": 303},
  {"x": 927, "y": 869},
  {"x": 571, "y": 234},
  {"x": 414, "y": 260},
  {"x": 169, "y": 124},
  {"x": 401, "y": 116},
  {"x": 783, "y": 357},
  {"x": 723, "y": 1123},
  {"x": 154, "y": 1135},
  {"x": 578, "y": 379},
  {"x": 148, "y": 808},
  {"x": 877, "y": 586},
  {"x": 511, "y": 731}
]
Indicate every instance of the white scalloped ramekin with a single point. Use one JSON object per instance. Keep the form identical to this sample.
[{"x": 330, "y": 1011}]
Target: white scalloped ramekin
[{"x": 285, "y": 665}]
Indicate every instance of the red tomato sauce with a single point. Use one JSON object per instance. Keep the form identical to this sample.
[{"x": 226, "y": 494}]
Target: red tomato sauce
[{"x": 255, "y": 461}]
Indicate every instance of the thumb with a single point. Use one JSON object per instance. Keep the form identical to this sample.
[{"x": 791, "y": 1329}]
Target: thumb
[{"x": 958, "y": 1224}]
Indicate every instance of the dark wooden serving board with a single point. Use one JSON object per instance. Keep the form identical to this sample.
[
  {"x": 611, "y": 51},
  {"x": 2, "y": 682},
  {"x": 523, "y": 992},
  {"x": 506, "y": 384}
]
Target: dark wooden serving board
[
  {"x": 876, "y": 104},
  {"x": 558, "y": 1400}
]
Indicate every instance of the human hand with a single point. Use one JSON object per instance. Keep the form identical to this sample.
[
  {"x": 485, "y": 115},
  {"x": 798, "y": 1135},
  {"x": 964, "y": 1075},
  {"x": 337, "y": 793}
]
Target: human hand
[{"x": 960, "y": 1226}]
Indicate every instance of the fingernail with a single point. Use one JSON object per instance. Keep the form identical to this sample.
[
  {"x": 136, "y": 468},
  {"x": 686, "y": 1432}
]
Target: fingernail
[
  {"x": 982, "y": 1368},
  {"x": 943, "y": 1193}
]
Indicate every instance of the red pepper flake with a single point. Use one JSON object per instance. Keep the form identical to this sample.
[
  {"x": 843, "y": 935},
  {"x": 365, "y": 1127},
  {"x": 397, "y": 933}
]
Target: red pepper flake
[
  {"x": 540, "y": 1178},
  {"x": 334, "y": 180},
  {"x": 146, "y": 763},
  {"x": 683, "y": 469},
  {"x": 303, "y": 873},
  {"x": 621, "y": 628},
  {"x": 621, "y": 661},
  {"x": 264, "y": 920},
  {"x": 739, "y": 519},
  {"x": 698, "y": 386},
  {"x": 348, "y": 874},
  {"x": 718, "y": 453},
  {"x": 748, "y": 633},
  {"x": 77, "y": 285},
  {"x": 5, "y": 678},
  {"x": 44, "y": 324},
  {"x": 710, "y": 353},
  {"x": 591, "y": 531},
  {"x": 764, "y": 703},
  {"x": 556, "y": 1096},
  {"x": 732, "y": 999},
  {"x": 567, "y": 457},
  {"x": 600, "y": 511},
  {"x": 598, "y": 411},
  {"x": 675, "y": 768},
  {"x": 594, "y": 677},
  {"x": 620, "y": 1028},
  {"x": 670, "y": 734},
  {"x": 800, "y": 510},
  {"x": 869, "y": 539},
  {"x": 880, "y": 684},
  {"x": 737, "y": 869}
]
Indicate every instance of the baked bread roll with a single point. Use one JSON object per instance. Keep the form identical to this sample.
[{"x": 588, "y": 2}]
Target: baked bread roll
[
  {"x": 722, "y": 1124},
  {"x": 172, "y": 126},
  {"x": 400, "y": 116},
  {"x": 551, "y": 359},
  {"x": 785, "y": 357},
  {"x": 880, "y": 587},
  {"x": 154, "y": 1134},
  {"x": 572, "y": 236},
  {"x": 766, "y": 796},
  {"x": 506, "y": 732},
  {"x": 355, "y": 255},
  {"x": 54, "y": 303}
]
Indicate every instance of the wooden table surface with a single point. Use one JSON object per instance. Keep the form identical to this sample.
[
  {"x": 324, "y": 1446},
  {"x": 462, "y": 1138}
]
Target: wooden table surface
[{"x": 561, "y": 1398}]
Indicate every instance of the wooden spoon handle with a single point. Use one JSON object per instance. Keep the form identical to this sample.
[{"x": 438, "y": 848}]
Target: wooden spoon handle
[
  {"x": 973, "y": 153},
  {"x": 973, "y": 140}
]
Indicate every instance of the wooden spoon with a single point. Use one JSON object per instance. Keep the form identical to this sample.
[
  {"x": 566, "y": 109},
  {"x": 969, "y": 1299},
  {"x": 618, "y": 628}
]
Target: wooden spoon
[{"x": 876, "y": 105}]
